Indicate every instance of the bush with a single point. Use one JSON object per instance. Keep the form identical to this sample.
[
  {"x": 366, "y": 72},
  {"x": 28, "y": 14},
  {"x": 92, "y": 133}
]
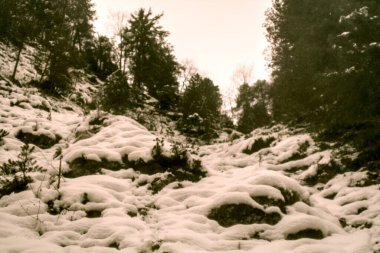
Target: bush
[
  {"x": 14, "y": 174},
  {"x": 258, "y": 145}
]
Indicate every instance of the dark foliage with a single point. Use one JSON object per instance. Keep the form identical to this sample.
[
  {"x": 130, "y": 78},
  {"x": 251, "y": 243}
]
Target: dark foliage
[
  {"x": 252, "y": 105},
  {"x": 41, "y": 141},
  {"x": 299, "y": 154},
  {"x": 325, "y": 172},
  {"x": 3, "y": 133},
  {"x": 307, "y": 233},
  {"x": 151, "y": 60},
  {"x": 57, "y": 29},
  {"x": 231, "y": 214},
  {"x": 14, "y": 173},
  {"x": 200, "y": 106},
  {"x": 99, "y": 56},
  {"x": 93, "y": 214},
  {"x": 179, "y": 165},
  {"x": 118, "y": 94},
  {"x": 83, "y": 167},
  {"x": 266, "y": 201},
  {"x": 324, "y": 60},
  {"x": 258, "y": 144},
  {"x": 365, "y": 137}
]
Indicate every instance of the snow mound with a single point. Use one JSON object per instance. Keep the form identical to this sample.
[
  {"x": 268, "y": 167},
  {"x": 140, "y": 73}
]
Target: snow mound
[{"x": 122, "y": 137}]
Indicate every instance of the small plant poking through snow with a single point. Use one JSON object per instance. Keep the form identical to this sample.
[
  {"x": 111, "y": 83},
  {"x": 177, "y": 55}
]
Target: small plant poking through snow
[
  {"x": 14, "y": 174},
  {"x": 3, "y": 133},
  {"x": 158, "y": 148},
  {"x": 58, "y": 155}
]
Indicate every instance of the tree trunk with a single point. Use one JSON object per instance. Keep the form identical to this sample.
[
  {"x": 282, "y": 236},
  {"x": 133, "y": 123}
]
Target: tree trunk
[{"x": 17, "y": 61}]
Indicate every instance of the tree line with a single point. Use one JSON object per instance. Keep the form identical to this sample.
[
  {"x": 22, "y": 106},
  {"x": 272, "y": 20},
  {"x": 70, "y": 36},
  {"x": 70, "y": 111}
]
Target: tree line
[
  {"x": 324, "y": 61},
  {"x": 138, "y": 66}
]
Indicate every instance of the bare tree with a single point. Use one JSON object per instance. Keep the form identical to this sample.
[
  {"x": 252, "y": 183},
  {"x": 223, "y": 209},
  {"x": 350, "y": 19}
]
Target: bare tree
[
  {"x": 242, "y": 74},
  {"x": 119, "y": 20},
  {"x": 187, "y": 70}
]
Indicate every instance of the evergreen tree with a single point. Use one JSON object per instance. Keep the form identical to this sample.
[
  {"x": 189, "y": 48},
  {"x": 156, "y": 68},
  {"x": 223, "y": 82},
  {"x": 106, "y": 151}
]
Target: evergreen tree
[
  {"x": 252, "y": 105},
  {"x": 151, "y": 61},
  {"x": 99, "y": 56},
  {"x": 117, "y": 94},
  {"x": 299, "y": 32},
  {"x": 353, "y": 88},
  {"x": 325, "y": 60},
  {"x": 81, "y": 16},
  {"x": 201, "y": 104}
]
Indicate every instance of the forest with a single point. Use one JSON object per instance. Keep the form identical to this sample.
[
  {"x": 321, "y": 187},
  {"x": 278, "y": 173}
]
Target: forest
[{"x": 117, "y": 130}]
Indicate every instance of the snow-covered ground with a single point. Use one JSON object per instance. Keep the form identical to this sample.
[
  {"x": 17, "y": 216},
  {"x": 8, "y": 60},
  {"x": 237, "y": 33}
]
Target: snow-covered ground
[{"x": 247, "y": 201}]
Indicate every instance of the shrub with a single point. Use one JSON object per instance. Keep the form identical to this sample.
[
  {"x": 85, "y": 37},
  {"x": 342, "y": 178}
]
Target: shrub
[
  {"x": 258, "y": 145},
  {"x": 14, "y": 174}
]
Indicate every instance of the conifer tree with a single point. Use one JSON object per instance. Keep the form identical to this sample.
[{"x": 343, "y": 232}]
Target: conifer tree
[
  {"x": 151, "y": 61},
  {"x": 252, "y": 105},
  {"x": 299, "y": 33},
  {"x": 99, "y": 55},
  {"x": 201, "y": 104}
]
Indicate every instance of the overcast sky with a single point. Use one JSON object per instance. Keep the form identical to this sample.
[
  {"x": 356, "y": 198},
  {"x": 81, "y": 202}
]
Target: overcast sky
[{"x": 218, "y": 35}]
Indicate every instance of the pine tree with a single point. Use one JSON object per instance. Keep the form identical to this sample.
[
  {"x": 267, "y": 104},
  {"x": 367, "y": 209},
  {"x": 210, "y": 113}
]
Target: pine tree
[
  {"x": 117, "y": 94},
  {"x": 99, "y": 55},
  {"x": 81, "y": 16},
  {"x": 201, "y": 104},
  {"x": 151, "y": 61},
  {"x": 355, "y": 87},
  {"x": 299, "y": 33},
  {"x": 252, "y": 105}
]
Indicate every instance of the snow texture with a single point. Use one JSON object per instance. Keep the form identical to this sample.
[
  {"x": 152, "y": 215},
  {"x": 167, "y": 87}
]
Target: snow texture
[{"x": 116, "y": 211}]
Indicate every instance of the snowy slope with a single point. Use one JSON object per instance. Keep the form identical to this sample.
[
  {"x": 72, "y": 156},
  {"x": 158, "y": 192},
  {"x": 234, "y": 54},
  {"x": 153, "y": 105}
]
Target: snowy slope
[{"x": 247, "y": 200}]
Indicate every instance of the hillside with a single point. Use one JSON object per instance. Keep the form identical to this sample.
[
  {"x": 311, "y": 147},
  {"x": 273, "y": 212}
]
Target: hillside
[{"x": 129, "y": 189}]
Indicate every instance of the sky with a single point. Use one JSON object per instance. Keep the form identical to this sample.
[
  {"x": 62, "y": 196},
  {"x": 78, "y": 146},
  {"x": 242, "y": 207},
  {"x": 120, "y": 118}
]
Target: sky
[{"x": 217, "y": 35}]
